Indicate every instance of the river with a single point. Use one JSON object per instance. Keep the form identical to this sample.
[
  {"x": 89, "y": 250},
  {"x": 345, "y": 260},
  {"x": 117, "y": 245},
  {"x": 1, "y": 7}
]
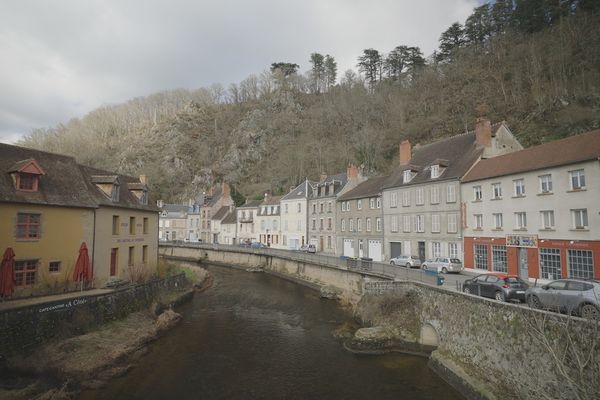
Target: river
[{"x": 255, "y": 336}]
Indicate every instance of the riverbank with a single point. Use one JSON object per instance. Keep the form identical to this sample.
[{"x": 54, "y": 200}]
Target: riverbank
[{"x": 61, "y": 368}]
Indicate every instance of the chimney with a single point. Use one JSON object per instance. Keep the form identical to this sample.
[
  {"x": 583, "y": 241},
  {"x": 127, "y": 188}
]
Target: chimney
[
  {"x": 352, "y": 171},
  {"x": 292, "y": 188},
  {"x": 483, "y": 132},
  {"x": 322, "y": 177},
  {"x": 159, "y": 203},
  {"x": 144, "y": 179},
  {"x": 225, "y": 189},
  {"x": 266, "y": 196},
  {"x": 405, "y": 152}
]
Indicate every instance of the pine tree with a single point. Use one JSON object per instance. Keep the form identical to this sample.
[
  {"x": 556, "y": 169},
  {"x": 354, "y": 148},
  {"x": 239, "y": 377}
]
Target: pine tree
[
  {"x": 317, "y": 72},
  {"x": 478, "y": 27},
  {"x": 370, "y": 64},
  {"x": 451, "y": 40},
  {"x": 330, "y": 71}
]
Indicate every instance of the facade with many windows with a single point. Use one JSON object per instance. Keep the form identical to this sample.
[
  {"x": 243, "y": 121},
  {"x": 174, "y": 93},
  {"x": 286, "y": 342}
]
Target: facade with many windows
[
  {"x": 294, "y": 216},
  {"x": 268, "y": 221},
  {"x": 422, "y": 200},
  {"x": 535, "y": 212}
]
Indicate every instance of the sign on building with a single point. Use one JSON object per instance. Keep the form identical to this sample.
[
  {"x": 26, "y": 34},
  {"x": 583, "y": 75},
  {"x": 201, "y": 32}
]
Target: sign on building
[{"x": 522, "y": 241}]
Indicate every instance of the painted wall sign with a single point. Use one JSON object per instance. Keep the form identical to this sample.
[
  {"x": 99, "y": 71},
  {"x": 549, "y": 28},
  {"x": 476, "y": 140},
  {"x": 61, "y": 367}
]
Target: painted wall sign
[
  {"x": 522, "y": 241},
  {"x": 130, "y": 240},
  {"x": 63, "y": 306}
]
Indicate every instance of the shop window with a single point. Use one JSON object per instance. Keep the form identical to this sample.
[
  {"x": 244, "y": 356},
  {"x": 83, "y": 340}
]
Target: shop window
[
  {"x": 581, "y": 264},
  {"x": 481, "y": 256},
  {"x": 499, "y": 259},
  {"x": 550, "y": 263}
]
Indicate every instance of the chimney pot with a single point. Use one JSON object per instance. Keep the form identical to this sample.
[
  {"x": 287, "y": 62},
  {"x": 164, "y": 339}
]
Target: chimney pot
[{"x": 405, "y": 152}]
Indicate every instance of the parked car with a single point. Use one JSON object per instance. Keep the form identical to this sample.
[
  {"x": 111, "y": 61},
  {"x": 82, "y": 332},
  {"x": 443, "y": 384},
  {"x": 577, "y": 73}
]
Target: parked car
[
  {"x": 501, "y": 287},
  {"x": 406, "y": 261},
  {"x": 576, "y": 296},
  {"x": 443, "y": 265},
  {"x": 257, "y": 245},
  {"x": 311, "y": 248}
]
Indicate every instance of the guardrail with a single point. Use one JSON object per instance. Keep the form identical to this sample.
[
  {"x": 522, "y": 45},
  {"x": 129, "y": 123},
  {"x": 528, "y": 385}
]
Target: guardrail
[{"x": 344, "y": 263}]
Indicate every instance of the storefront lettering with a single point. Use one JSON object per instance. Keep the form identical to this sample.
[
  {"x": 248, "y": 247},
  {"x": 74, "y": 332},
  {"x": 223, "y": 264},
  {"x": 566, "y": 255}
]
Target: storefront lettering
[
  {"x": 522, "y": 241},
  {"x": 130, "y": 240},
  {"x": 62, "y": 306}
]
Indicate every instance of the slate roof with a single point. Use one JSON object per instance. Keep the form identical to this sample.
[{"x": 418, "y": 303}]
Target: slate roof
[
  {"x": 175, "y": 208},
  {"x": 251, "y": 204},
  {"x": 338, "y": 180},
  {"x": 214, "y": 198},
  {"x": 301, "y": 191},
  {"x": 230, "y": 218},
  {"x": 65, "y": 183},
  {"x": 566, "y": 151},
  {"x": 270, "y": 202},
  {"x": 220, "y": 214},
  {"x": 369, "y": 188},
  {"x": 460, "y": 152}
]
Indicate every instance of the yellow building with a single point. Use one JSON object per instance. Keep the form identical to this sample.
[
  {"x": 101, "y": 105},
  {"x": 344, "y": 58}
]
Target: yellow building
[{"x": 49, "y": 205}]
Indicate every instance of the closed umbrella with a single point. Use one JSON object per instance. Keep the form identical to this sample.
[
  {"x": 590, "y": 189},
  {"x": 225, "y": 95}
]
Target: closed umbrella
[
  {"x": 7, "y": 273},
  {"x": 83, "y": 270}
]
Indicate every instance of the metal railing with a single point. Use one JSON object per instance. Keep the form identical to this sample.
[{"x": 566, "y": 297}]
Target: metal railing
[{"x": 361, "y": 265}]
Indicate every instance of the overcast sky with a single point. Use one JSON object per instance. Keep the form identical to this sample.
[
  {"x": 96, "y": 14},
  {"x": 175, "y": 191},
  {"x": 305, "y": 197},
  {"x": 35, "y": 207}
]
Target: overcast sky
[{"x": 61, "y": 59}]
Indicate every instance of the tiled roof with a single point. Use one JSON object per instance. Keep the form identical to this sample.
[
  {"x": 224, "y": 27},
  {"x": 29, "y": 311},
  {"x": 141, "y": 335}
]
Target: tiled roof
[
  {"x": 369, "y": 188},
  {"x": 566, "y": 151},
  {"x": 230, "y": 218},
  {"x": 301, "y": 191},
  {"x": 219, "y": 215},
  {"x": 459, "y": 152}
]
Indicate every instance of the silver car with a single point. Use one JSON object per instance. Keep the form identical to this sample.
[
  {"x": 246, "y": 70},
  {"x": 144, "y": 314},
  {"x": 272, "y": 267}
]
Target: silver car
[
  {"x": 406, "y": 261},
  {"x": 443, "y": 265},
  {"x": 577, "y": 296}
]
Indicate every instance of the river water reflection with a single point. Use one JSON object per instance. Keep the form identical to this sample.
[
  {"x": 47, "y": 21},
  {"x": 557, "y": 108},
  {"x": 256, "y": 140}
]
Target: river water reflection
[{"x": 255, "y": 336}]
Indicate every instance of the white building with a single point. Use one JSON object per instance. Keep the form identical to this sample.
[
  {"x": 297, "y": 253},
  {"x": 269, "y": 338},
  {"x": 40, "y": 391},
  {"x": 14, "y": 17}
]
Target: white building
[
  {"x": 228, "y": 233},
  {"x": 268, "y": 221},
  {"x": 246, "y": 227},
  {"x": 294, "y": 216}
]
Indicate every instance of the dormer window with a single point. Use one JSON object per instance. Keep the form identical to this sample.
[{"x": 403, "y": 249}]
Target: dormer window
[
  {"x": 26, "y": 175},
  {"x": 435, "y": 171},
  {"x": 110, "y": 185},
  {"x": 438, "y": 167},
  {"x": 407, "y": 176}
]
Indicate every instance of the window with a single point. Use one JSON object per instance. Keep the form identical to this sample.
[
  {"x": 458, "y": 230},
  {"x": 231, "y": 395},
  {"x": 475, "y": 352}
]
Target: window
[
  {"x": 347, "y": 206},
  {"x": 54, "y": 266},
  {"x": 328, "y": 207},
  {"x": 577, "y": 178},
  {"x": 420, "y": 223},
  {"x": 321, "y": 208},
  {"x": 435, "y": 223},
  {"x": 581, "y": 264},
  {"x": 286, "y": 208},
  {"x": 419, "y": 197},
  {"x": 298, "y": 226},
  {"x": 547, "y": 219},
  {"x": 144, "y": 255},
  {"x": 372, "y": 203},
  {"x": 145, "y": 226},
  {"x": 579, "y": 218},
  {"x": 321, "y": 224},
  {"x": 435, "y": 171},
  {"x": 378, "y": 202},
  {"x": 378, "y": 224},
  {"x": 478, "y": 221},
  {"x": 298, "y": 207},
  {"x": 132, "y": 225},
  {"x": 481, "y": 256},
  {"x": 329, "y": 222},
  {"x": 477, "y": 194},
  {"x": 314, "y": 208},
  {"x": 394, "y": 199},
  {"x": 406, "y": 223},
  {"x": 25, "y": 272},
  {"x": 27, "y": 182},
  {"x": 359, "y": 224},
  {"x": 499, "y": 259},
  {"x": 368, "y": 224},
  {"x": 451, "y": 194},
  {"x": 436, "y": 248},
  {"x": 407, "y": 176},
  {"x": 343, "y": 206},
  {"x": 394, "y": 223},
  {"x": 351, "y": 225},
  {"x": 130, "y": 258},
  {"x": 550, "y": 263},
  {"x": 329, "y": 242},
  {"x": 435, "y": 195},
  {"x": 28, "y": 226},
  {"x": 343, "y": 225},
  {"x": 359, "y": 204},
  {"x": 452, "y": 224},
  {"x": 406, "y": 198},
  {"x": 496, "y": 191},
  {"x": 498, "y": 221},
  {"x": 520, "y": 220},
  {"x": 452, "y": 250},
  {"x": 546, "y": 184},
  {"x": 167, "y": 225},
  {"x": 519, "y": 185}
]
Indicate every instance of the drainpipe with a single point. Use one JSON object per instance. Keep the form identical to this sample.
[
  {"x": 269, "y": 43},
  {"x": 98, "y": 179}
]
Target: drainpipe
[{"x": 94, "y": 243}]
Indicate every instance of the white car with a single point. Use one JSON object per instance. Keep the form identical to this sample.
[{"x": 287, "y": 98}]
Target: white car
[
  {"x": 406, "y": 261},
  {"x": 443, "y": 265}
]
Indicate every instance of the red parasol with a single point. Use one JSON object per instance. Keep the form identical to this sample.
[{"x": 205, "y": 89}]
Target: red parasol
[
  {"x": 83, "y": 270},
  {"x": 7, "y": 273}
]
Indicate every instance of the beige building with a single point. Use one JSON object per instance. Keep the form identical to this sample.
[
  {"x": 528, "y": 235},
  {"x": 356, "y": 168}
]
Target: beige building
[
  {"x": 268, "y": 221},
  {"x": 246, "y": 226},
  {"x": 174, "y": 222},
  {"x": 294, "y": 216},
  {"x": 229, "y": 228},
  {"x": 218, "y": 196}
]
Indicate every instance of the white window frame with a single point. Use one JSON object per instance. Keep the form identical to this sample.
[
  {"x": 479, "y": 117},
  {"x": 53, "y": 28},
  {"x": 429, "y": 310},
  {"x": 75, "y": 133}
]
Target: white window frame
[
  {"x": 577, "y": 179},
  {"x": 407, "y": 176},
  {"x": 435, "y": 194},
  {"x": 420, "y": 196},
  {"x": 435, "y": 171},
  {"x": 378, "y": 202},
  {"x": 579, "y": 218},
  {"x": 368, "y": 224},
  {"x": 496, "y": 191},
  {"x": 394, "y": 199},
  {"x": 351, "y": 225},
  {"x": 406, "y": 198},
  {"x": 436, "y": 249},
  {"x": 420, "y": 223},
  {"x": 359, "y": 204},
  {"x": 452, "y": 223},
  {"x": 520, "y": 220},
  {"x": 406, "y": 223},
  {"x": 519, "y": 187},
  {"x": 378, "y": 224},
  {"x": 358, "y": 224},
  {"x": 545, "y": 184},
  {"x": 453, "y": 250},
  {"x": 372, "y": 203},
  {"x": 451, "y": 193},
  {"x": 478, "y": 221},
  {"x": 394, "y": 223},
  {"x": 435, "y": 223},
  {"x": 343, "y": 225},
  {"x": 477, "y": 193},
  {"x": 547, "y": 219},
  {"x": 498, "y": 220}
]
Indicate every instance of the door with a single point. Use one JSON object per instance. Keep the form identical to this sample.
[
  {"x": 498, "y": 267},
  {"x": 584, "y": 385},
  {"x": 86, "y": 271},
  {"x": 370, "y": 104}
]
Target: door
[
  {"x": 523, "y": 268},
  {"x": 114, "y": 253},
  {"x": 321, "y": 244},
  {"x": 422, "y": 251},
  {"x": 360, "y": 248},
  {"x": 395, "y": 249},
  {"x": 375, "y": 250},
  {"x": 348, "y": 248}
]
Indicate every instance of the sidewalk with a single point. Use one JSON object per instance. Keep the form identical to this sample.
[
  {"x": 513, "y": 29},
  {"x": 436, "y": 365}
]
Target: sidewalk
[{"x": 24, "y": 302}]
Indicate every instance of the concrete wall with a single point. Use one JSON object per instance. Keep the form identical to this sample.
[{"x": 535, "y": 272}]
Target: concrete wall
[{"x": 26, "y": 327}]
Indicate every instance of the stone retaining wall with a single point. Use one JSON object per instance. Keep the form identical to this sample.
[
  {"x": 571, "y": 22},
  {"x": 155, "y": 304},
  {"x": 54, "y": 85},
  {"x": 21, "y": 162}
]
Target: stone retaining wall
[{"x": 26, "y": 327}]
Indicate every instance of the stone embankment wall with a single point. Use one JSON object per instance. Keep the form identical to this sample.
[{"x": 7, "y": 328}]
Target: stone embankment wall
[
  {"x": 484, "y": 348},
  {"x": 26, "y": 327},
  {"x": 488, "y": 349}
]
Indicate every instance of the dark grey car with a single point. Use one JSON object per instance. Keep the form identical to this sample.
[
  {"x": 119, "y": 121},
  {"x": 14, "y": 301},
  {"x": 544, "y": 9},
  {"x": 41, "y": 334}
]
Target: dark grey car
[
  {"x": 572, "y": 296},
  {"x": 501, "y": 287}
]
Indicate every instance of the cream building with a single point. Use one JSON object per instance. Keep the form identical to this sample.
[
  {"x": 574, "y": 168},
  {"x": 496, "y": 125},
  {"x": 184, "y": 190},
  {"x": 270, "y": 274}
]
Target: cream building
[
  {"x": 268, "y": 221},
  {"x": 294, "y": 216}
]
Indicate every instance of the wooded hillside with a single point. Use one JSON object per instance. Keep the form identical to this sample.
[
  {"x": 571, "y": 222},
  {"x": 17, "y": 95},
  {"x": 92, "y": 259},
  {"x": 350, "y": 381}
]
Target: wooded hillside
[{"x": 539, "y": 73}]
